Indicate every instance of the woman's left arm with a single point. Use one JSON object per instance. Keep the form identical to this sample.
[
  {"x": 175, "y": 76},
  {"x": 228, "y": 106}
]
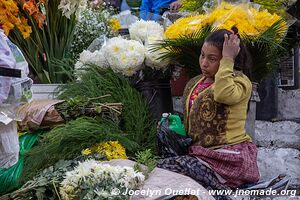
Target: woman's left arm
[{"x": 230, "y": 88}]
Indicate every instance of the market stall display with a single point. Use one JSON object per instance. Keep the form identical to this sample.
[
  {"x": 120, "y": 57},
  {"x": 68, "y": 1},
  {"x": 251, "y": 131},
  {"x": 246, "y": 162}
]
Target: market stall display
[{"x": 103, "y": 112}]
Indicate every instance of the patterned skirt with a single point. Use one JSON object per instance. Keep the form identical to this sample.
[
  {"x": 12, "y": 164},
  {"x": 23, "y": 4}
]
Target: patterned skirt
[
  {"x": 236, "y": 164},
  {"x": 222, "y": 169}
]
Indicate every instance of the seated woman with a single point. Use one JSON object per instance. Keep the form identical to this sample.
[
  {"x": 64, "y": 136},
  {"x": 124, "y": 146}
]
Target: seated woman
[
  {"x": 153, "y": 9},
  {"x": 222, "y": 155}
]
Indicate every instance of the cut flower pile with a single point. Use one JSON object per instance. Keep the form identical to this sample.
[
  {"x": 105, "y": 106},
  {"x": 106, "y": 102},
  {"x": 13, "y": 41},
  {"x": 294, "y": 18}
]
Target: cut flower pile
[
  {"x": 93, "y": 180},
  {"x": 249, "y": 20},
  {"x": 128, "y": 56}
]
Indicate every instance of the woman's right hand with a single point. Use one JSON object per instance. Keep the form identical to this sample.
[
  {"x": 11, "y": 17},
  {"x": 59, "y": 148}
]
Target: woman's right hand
[{"x": 231, "y": 46}]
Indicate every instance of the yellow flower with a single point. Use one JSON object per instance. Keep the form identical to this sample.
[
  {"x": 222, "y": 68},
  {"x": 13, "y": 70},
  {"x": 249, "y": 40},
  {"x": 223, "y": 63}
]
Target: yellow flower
[
  {"x": 86, "y": 151},
  {"x": 116, "y": 49},
  {"x": 110, "y": 149},
  {"x": 248, "y": 20},
  {"x": 11, "y": 17},
  {"x": 115, "y": 24}
]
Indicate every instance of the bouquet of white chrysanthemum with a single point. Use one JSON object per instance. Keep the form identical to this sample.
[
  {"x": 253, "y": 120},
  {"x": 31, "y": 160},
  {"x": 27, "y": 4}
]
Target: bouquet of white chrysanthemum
[
  {"x": 150, "y": 33},
  {"x": 124, "y": 56},
  {"x": 153, "y": 57},
  {"x": 141, "y": 30},
  {"x": 94, "y": 180},
  {"x": 91, "y": 58},
  {"x": 127, "y": 57}
]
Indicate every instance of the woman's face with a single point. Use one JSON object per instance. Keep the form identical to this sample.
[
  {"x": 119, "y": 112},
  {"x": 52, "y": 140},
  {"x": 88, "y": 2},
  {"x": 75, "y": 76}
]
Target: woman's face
[{"x": 209, "y": 60}]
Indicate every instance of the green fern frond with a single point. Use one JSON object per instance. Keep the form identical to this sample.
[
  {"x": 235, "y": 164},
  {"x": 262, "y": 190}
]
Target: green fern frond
[
  {"x": 185, "y": 49},
  {"x": 266, "y": 49},
  {"x": 136, "y": 119},
  {"x": 66, "y": 141}
]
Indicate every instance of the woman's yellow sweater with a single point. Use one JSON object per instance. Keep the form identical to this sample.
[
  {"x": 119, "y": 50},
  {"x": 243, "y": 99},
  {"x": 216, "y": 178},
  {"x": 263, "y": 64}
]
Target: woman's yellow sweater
[{"x": 218, "y": 114}]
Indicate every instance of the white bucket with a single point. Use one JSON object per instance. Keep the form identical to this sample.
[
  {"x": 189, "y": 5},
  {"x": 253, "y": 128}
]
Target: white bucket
[{"x": 44, "y": 91}]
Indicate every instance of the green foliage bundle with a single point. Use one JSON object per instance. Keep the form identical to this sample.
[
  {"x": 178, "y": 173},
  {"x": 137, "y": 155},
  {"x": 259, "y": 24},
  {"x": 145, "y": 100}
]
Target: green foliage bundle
[
  {"x": 185, "y": 50},
  {"x": 65, "y": 142},
  {"x": 275, "y": 6},
  {"x": 82, "y": 106},
  {"x": 136, "y": 120},
  {"x": 265, "y": 50},
  {"x": 147, "y": 158},
  {"x": 45, "y": 184},
  {"x": 193, "y": 5}
]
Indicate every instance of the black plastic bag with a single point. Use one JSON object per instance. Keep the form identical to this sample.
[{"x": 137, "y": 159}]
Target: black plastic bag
[{"x": 169, "y": 143}]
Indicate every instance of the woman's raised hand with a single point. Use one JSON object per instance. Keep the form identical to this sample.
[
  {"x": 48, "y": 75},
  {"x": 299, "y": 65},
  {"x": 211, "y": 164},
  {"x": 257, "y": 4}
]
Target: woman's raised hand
[{"x": 231, "y": 46}]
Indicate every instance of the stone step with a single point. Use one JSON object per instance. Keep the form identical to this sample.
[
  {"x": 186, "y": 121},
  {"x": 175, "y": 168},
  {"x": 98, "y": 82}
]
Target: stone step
[
  {"x": 275, "y": 161},
  {"x": 285, "y": 134}
]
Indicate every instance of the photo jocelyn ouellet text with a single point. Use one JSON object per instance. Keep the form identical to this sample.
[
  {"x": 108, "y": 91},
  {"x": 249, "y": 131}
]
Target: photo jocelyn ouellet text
[{"x": 188, "y": 191}]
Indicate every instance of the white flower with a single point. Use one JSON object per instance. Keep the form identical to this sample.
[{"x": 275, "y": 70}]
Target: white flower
[
  {"x": 87, "y": 58},
  {"x": 91, "y": 58},
  {"x": 102, "y": 178},
  {"x": 152, "y": 57},
  {"x": 91, "y": 25},
  {"x": 68, "y": 7},
  {"x": 124, "y": 56},
  {"x": 141, "y": 30}
]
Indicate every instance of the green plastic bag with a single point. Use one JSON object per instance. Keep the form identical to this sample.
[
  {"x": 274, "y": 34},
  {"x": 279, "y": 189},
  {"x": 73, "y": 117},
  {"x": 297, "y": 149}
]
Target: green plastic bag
[{"x": 9, "y": 176}]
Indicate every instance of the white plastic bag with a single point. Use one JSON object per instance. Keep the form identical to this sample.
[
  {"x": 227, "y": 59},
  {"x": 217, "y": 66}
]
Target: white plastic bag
[
  {"x": 20, "y": 90},
  {"x": 9, "y": 143},
  {"x": 14, "y": 90},
  {"x": 7, "y": 60},
  {"x": 126, "y": 18}
]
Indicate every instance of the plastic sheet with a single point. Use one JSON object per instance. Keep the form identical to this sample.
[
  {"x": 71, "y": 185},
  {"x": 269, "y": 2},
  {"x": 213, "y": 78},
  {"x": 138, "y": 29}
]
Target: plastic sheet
[
  {"x": 14, "y": 90},
  {"x": 20, "y": 90},
  {"x": 9, "y": 144},
  {"x": 98, "y": 43},
  {"x": 6, "y": 60},
  {"x": 9, "y": 177},
  {"x": 126, "y": 18}
]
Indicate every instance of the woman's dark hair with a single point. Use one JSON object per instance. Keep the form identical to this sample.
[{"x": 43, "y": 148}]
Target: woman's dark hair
[{"x": 243, "y": 60}]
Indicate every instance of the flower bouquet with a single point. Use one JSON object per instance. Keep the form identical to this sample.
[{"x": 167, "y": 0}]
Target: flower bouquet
[
  {"x": 262, "y": 31},
  {"x": 43, "y": 30},
  {"x": 109, "y": 150},
  {"x": 135, "y": 59},
  {"x": 93, "y": 180},
  {"x": 133, "y": 56},
  {"x": 52, "y": 33}
]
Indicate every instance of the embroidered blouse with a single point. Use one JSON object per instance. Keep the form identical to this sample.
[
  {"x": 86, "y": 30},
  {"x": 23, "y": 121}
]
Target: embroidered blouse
[{"x": 199, "y": 88}]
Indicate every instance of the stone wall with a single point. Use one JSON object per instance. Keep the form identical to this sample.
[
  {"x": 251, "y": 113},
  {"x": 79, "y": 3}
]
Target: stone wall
[{"x": 288, "y": 104}]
